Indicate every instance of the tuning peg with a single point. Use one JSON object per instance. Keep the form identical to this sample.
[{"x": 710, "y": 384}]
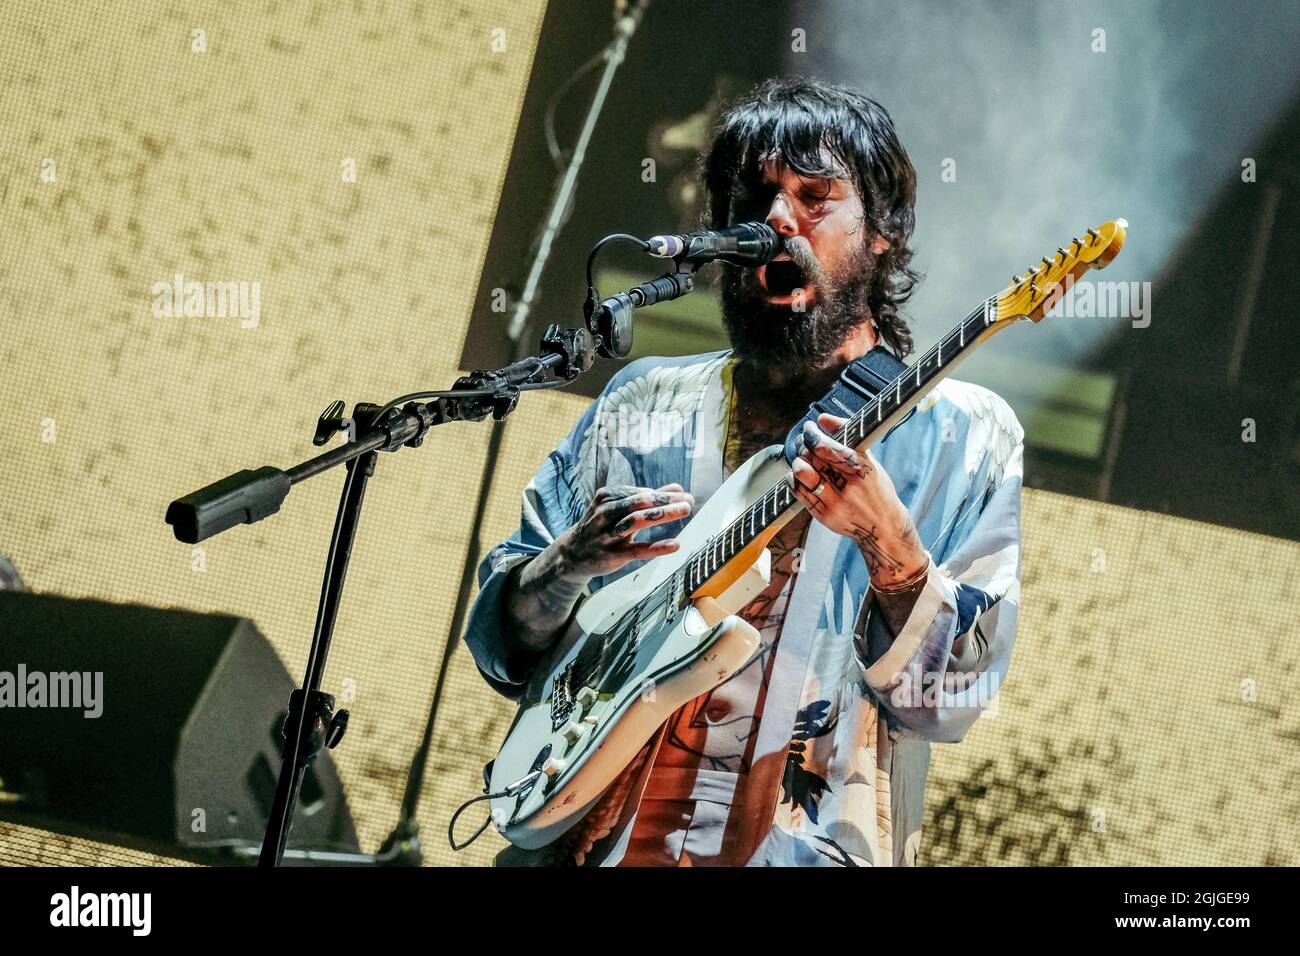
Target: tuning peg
[
  {"x": 1064, "y": 255},
  {"x": 1094, "y": 233},
  {"x": 1016, "y": 280}
]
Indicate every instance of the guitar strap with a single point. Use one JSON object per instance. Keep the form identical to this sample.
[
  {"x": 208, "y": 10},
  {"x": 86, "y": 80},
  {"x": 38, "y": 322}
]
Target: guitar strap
[{"x": 862, "y": 380}]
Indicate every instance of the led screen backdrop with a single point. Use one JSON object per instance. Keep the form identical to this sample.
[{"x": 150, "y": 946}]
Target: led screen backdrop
[{"x": 349, "y": 163}]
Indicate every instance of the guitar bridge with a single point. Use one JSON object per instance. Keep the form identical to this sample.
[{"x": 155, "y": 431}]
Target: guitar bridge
[{"x": 562, "y": 697}]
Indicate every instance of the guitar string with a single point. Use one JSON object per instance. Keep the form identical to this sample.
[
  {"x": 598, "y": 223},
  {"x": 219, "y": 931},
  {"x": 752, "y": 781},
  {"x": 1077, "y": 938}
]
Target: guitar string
[{"x": 718, "y": 542}]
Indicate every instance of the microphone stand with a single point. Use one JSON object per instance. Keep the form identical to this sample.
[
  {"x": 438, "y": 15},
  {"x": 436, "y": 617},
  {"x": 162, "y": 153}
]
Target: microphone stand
[
  {"x": 404, "y": 839},
  {"x": 248, "y": 496}
]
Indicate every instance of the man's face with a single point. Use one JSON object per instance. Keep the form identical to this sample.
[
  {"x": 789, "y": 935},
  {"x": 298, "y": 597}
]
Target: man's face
[{"x": 792, "y": 313}]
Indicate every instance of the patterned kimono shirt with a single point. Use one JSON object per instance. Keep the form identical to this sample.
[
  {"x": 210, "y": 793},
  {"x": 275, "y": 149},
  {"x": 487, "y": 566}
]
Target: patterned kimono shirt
[{"x": 831, "y": 767}]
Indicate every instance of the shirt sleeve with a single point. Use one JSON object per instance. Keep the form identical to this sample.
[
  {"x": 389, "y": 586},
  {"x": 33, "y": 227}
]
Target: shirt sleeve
[{"x": 942, "y": 670}]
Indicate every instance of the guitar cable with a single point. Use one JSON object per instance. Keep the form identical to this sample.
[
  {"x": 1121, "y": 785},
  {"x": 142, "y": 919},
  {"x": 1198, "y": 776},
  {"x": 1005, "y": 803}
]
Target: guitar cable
[{"x": 510, "y": 791}]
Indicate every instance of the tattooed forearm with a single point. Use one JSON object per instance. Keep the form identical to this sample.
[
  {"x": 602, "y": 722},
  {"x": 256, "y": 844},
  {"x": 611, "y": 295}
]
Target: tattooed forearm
[
  {"x": 880, "y": 560},
  {"x": 911, "y": 541},
  {"x": 539, "y": 600},
  {"x": 894, "y": 564}
]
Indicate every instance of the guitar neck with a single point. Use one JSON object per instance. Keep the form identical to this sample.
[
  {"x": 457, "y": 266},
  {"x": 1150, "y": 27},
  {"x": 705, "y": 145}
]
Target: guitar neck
[{"x": 862, "y": 429}]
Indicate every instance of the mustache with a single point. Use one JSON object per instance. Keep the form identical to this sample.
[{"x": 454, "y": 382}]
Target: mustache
[{"x": 801, "y": 254}]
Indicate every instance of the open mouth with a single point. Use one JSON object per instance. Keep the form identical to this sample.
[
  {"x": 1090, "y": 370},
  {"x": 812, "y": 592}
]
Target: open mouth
[{"x": 781, "y": 277}]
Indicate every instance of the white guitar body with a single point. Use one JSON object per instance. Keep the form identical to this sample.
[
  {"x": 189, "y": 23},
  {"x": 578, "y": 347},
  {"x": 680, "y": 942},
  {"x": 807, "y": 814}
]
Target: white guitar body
[{"x": 581, "y": 739}]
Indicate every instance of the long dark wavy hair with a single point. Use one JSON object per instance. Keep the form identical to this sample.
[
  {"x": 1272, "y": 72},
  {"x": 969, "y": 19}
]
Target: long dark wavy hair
[{"x": 792, "y": 120}]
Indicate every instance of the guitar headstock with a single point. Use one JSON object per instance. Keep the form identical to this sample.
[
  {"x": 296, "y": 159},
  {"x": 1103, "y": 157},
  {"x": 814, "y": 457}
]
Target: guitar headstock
[{"x": 1033, "y": 293}]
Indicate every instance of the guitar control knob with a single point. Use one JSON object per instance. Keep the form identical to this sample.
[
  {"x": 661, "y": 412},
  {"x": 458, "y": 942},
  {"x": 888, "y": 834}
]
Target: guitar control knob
[
  {"x": 573, "y": 731},
  {"x": 586, "y": 697},
  {"x": 554, "y": 766}
]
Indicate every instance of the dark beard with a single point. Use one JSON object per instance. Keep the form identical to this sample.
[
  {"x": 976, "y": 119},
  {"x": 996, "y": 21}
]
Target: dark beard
[{"x": 780, "y": 339}]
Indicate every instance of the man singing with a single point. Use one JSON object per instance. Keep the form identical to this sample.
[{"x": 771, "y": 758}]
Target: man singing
[{"x": 890, "y": 615}]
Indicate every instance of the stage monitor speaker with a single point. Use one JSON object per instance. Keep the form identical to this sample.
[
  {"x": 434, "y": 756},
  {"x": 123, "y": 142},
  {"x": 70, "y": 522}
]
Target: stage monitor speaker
[{"x": 149, "y": 727}]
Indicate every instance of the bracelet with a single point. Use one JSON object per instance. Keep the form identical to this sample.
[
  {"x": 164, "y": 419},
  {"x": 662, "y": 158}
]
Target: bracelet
[{"x": 913, "y": 581}]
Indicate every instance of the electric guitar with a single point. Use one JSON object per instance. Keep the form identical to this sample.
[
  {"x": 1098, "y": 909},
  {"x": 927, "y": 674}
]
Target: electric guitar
[{"x": 672, "y": 623}]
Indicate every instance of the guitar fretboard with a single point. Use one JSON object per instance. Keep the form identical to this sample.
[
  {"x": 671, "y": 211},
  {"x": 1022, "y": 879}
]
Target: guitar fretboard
[{"x": 859, "y": 430}]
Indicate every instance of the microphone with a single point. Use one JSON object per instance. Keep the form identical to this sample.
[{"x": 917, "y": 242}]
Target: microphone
[{"x": 744, "y": 244}]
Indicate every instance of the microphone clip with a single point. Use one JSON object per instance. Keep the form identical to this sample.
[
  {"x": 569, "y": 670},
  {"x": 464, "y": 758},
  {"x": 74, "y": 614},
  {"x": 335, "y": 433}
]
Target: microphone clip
[{"x": 610, "y": 319}]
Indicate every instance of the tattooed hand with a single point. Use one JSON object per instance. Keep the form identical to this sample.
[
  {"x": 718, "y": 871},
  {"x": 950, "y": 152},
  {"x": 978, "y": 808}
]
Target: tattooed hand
[
  {"x": 543, "y": 594},
  {"x": 857, "y": 499},
  {"x": 601, "y": 541}
]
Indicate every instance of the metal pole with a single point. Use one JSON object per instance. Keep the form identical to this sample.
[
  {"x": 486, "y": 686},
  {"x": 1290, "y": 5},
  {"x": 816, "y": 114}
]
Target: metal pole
[{"x": 516, "y": 334}]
